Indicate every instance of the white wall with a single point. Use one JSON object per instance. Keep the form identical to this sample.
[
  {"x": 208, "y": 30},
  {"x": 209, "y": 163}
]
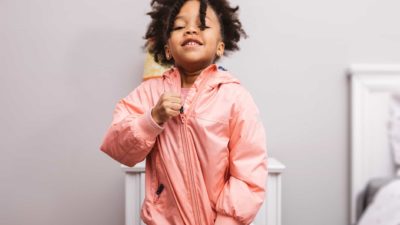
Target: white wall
[{"x": 64, "y": 64}]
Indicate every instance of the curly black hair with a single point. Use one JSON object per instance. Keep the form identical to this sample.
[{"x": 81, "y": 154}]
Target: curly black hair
[{"x": 163, "y": 16}]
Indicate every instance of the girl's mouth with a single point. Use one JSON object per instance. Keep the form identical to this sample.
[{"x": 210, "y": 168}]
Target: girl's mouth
[{"x": 191, "y": 43}]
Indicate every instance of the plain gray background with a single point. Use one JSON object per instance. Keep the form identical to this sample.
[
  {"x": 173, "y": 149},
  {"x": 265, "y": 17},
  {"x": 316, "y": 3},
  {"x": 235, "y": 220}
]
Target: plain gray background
[{"x": 65, "y": 64}]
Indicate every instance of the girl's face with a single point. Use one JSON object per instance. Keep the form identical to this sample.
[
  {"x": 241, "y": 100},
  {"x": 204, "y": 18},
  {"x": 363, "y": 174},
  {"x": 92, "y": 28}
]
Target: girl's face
[{"x": 190, "y": 47}]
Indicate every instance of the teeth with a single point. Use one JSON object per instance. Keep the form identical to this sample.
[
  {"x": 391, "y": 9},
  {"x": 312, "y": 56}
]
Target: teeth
[{"x": 192, "y": 43}]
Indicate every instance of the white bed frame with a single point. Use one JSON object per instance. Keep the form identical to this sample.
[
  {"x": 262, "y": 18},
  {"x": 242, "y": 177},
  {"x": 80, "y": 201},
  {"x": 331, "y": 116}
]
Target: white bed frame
[{"x": 371, "y": 157}]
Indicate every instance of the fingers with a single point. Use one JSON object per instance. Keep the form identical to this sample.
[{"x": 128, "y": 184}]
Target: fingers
[
  {"x": 168, "y": 106},
  {"x": 172, "y": 94},
  {"x": 172, "y": 113},
  {"x": 172, "y": 101},
  {"x": 172, "y": 98},
  {"x": 174, "y": 106},
  {"x": 170, "y": 110}
]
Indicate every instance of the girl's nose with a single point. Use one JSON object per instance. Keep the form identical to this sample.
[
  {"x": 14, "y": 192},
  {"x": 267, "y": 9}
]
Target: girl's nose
[{"x": 192, "y": 30}]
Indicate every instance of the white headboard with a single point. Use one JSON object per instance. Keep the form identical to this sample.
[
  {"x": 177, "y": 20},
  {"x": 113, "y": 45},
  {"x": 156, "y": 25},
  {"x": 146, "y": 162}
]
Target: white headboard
[{"x": 371, "y": 156}]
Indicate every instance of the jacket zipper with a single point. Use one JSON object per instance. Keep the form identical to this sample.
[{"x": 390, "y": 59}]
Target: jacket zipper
[
  {"x": 186, "y": 145},
  {"x": 188, "y": 159},
  {"x": 172, "y": 190}
]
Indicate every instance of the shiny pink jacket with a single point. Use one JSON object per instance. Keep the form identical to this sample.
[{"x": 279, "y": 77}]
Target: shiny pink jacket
[{"x": 208, "y": 165}]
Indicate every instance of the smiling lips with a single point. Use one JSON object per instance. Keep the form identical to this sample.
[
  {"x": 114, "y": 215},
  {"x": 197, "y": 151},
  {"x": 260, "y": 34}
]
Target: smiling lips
[{"x": 191, "y": 43}]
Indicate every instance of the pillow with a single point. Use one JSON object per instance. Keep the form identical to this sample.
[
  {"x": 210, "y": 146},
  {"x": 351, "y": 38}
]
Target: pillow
[
  {"x": 151, "y": 68},
  {"x": 373, "y": 186}
]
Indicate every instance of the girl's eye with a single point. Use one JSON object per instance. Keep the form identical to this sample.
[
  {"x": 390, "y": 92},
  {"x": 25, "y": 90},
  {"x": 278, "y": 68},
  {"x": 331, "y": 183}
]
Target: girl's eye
[
  {"x": 177, "y": 28},
  {"x": 205, "y": 27},
  {"x": 181, "y": 27}
]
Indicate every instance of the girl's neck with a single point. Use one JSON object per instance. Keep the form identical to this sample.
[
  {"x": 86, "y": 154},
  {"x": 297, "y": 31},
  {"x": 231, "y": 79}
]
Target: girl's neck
[{"x": 188, "y": 77}]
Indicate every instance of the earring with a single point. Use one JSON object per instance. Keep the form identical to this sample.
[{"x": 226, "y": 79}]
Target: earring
[{"x": 167, "y": 56}]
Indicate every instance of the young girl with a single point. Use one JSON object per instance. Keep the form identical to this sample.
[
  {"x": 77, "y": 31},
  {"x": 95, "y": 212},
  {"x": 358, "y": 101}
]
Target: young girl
[{"x": 196, "y": 126}]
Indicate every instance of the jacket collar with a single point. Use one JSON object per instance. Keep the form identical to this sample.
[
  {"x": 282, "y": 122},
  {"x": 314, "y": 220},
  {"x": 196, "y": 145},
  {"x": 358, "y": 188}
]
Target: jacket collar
[{"x": 211, "y": 75}]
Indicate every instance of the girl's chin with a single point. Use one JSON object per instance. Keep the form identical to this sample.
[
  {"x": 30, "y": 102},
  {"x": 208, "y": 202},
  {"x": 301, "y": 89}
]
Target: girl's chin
[
  {"x": 198, "y": 61},
  {"x": 193, "y": 65}
]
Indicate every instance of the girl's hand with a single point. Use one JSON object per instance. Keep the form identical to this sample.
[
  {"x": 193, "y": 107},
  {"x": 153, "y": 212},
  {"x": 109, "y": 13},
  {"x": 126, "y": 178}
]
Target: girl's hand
[{"x": 168, "y": 106}]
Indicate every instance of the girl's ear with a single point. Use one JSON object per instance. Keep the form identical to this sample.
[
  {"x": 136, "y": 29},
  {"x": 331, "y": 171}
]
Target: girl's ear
[
  {"x": 220, "y": 49},
  {"x": 167, "y": 52}
]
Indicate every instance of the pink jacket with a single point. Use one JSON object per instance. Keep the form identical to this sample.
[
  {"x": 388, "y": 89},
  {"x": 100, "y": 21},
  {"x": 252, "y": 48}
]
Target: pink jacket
[{"x": 208, "y": 165}]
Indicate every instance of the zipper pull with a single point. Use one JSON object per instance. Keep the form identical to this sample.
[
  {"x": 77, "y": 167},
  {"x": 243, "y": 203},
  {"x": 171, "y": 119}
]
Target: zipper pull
[
  {"x": 160, "y": 189},
  {"x": 183, "y": 118},
  {"x": 182, "y": 115}
]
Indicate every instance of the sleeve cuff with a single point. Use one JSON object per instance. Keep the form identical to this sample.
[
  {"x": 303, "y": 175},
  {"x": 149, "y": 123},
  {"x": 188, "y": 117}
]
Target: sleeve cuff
[
  {"x": 151, "y": 120},
  {"x": 226, "y": 220},
  {"x": 150, "y": 128}
]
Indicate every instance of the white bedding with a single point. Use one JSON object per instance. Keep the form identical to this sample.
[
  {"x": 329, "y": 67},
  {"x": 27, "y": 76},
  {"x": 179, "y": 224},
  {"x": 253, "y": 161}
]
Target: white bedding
[
  {"x": 394, "y": 129},
  {"x": 385, "y": 208}
]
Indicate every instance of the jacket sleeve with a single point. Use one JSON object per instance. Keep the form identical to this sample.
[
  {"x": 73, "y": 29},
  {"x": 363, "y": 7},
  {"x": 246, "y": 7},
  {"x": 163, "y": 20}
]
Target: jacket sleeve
[
  {"x": 244, "y": 191},
  {"x": 133, "y": 132}
]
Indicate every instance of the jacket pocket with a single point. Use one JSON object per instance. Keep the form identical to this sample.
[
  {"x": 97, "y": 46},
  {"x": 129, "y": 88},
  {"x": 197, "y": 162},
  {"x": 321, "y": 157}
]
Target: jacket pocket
[{"x": 158, "y": 192}]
